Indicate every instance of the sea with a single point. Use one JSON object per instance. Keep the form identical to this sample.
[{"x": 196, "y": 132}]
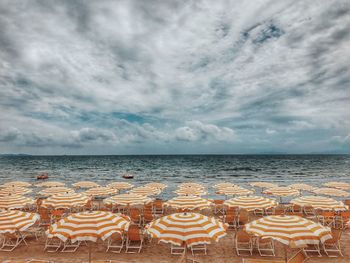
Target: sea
[{"x": 175, "y": 169}]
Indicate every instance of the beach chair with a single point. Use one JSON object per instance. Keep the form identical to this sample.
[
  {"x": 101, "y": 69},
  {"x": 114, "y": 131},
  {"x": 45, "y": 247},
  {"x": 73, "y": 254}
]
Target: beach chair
[
  {"x": 56, "y": 215},
  {"x": 52, "y": 244},
  {"x": 269, "y": 211},
  {"x": 243, "y": 217},
  {"x": 313, "y": 248},
  {"x": 158, "y": 208},
  {"x": 219, "y": 206},
  {"x": 309, "y": 212},
  {"x": 45, "y": 218},
  {"x": 134, "y": 240},
  {"x": 147, "y": 216},
  {"x": 297, "y": 209},
  {"x": 177, "y": 250},
  {"x": 258, "y": 212},
  {"x": 243, "y": 242},
  {"x": 279, "y": 211},
  {"x": 135, "y": 215},
  {"x": 200, "y": 247},
  {"x": 343, "y": 219},
  {"x": 12, "y": 240},
  {"x": 298, "y": 257},
  {"x": 230, "y": 216},
  {"x": 332, "y": 246},
  {"x": 115, "y": 243},
  {"x": 327, "y": 218},
  {"x": 266, "y": 247},
  {"x": 70, "y": 247}
]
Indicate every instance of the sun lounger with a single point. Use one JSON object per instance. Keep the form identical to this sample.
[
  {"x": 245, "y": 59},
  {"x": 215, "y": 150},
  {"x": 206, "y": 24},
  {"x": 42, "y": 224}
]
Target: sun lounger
[
  {"x": 12, "y": 240},
  {"x": 115, "y": 243}
]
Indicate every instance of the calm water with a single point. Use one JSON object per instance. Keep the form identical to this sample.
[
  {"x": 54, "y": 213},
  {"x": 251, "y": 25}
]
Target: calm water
[{"x": 240, "y": 169}]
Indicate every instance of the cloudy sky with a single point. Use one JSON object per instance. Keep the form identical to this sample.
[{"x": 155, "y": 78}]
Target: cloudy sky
[{"x": 134, "y": 77}]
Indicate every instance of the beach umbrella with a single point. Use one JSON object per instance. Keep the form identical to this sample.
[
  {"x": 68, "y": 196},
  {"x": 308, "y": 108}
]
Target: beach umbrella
[
  {"x": 101, "y": 191},
  {"x": 66, "y": 200},
  {"x": 50, "y": 184},
  {"x": 190, "y": 202},
  {"x": 191, "y": 185},
  {"x": 16, "y": 184},
  {"x": 234, "y": 191},
  {"x": 331, "y": 192},
  {"x": 14, "y": 190},
  {"x": 13, "y": 201},
  {"x": 190, "y": 191},
  {"x": 157, "y": 185},
  {"x": 319, "y": 202},
  {"x": 291, "y": 231},
  {"x": 250, "y": 203},
  {"x": 85, "y": 184},
  {"x": 120, "y": 185},
  {"x": 144, "y": 190},
  {"x": 281, "y": 191},
  {"x": 338, "y": 185},
  {"x": 12, "y": 221},
  {"x": 223, "y": 185},
  {"x": 303, "y": 187},
  {"x": 263, "y": 184},
  {"x": 88, "y": 226},
  {"x": 127, "y": 200},
  {"x": 55, "y": 190}
]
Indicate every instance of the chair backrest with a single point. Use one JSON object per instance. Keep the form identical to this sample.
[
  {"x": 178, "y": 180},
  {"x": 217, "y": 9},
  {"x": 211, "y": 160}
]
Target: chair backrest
[
  {"x": 158, "y": 203},
  {"x": 218, "y": 201},
  {"x": 116, "y": 236},
  {"x": 243, "y": 236},
  {"x": 44, "y": 214},
  {"x": 299, "y": 257},
  {"x": 328, "y": 214},
  {"x": 134, "y": 233},
  {"x": 345, "y": 214},
  {"x": 336, "y": 234}
]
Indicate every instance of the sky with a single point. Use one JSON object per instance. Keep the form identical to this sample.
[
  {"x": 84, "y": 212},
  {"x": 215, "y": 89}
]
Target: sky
[{"x": 174, "y": 77}]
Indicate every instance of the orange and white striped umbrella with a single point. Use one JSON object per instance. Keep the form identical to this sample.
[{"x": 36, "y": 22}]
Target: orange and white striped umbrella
[
  {"x": 281, "y": 191},
  {"x": 101, "y": 191},
  {"x": 263, "y": 184},
  {"x": 187, "y": 228},
  {"x": 289, "y": 230},
  {"x": 85, "y": 184},
  {"x": 331, "y": 192},
  {"x": 223, "y": 185},
  {"x": 251, "y": 202},
  {"x": 120, "y": 185},
  {"x": 190, "y": 191},
  {"x": 191, "y": 185},
  {"x": 304, "y": 187},
  {"x": 143, "y": 190},
  {"x": 66, "y": 200},
  {"x": 320, "y": 202},
  {"x": 15, "y": 201},
  {"x": 17, "y": 184},
  {"x": 88, "y": 226},
  {"x": 160, "y": 186},
  {"x": 128, "y": 200},
  {"x": 12, "y": 221},
  {"x": 15, "y": 191},
  {"x": 338, "y": 185},
  {"x": 190, "y": 202},
  {"x": 55, "y": 190},
  {"x": 50, "y": 184},
  {"x": 234, "y": 191}
]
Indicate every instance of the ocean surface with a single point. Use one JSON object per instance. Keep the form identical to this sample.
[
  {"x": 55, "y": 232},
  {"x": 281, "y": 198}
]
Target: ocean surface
[{"x": 174, "y": 169}]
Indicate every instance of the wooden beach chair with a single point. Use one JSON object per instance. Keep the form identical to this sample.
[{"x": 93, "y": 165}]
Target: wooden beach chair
[
  {"x": 115, "y": 243},
  {"x": 134, "y": 239}
]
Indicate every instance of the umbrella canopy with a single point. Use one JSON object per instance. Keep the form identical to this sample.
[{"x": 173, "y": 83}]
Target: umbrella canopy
[
  {"x": 320, "y": 202},
  {"x": 188, "y": 202},
  {"x": 223, "y": 185},
  {"x": 120, "y": 185},
  {"x": 331, "y": 192},
  {"x": 14, "y": 201},
  {"x": 234, "y": 191},
  {"x": 304, "y": 187},
  {"x": 281, "y": 191},
  {"x": 50, "y": 184},
  {"x": 127, "y": 199},
  {"x": 17, "y": 184},
  {"x": 14, "y": 190},
  {"x": 263, "y": 184},
  {"x": 251, "y": 202},
  {"x": 55, "y": 190},
  {"x": 191, "y": 185},
  {"x": 88, "y": 226},
  {"x": 101, "y": 191},
  {"x": 144, "y": 190},
  {"x": 187, "y": 228},
  {"x": 338, "y": 185},
  {"x": 190, "y": 191},
  {"x": 12, "y": 221},
  {"x": 66, "y": 200},
  {"x": 85, "y": 184},
  {"x": 160, "y": 186},
  {"x": 289, "y": 230}
]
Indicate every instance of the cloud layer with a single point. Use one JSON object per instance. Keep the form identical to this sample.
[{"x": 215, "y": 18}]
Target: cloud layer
[{"x": 174, "y": 76}]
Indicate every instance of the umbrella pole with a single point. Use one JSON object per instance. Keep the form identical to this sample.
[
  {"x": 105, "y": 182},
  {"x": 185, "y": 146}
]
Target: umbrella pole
[
  {"x": 90, "y": 252},
  {"x": 285, "y": 253}
]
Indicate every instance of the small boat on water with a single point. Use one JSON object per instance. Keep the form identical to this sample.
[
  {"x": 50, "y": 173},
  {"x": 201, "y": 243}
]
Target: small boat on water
[
  {"x": 42, "y": 176},
  {"x": 128, "y": 176}
]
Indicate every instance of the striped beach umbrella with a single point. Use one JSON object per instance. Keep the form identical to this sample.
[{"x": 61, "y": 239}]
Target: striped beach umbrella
[
  {"x": 338, "y": 185},
  {"x": 66, "y": 200},
  {"x": 302, "y": 187},
  {"x": 289, "y": 230},
  {"x": 17, "y": 184},
  {"x": 55, "y": 190},
  {"x": 251, "y": 202},
  {"x": 263, "y": 184},
  {"x": 12, "y": 221},
  {"x": 191, "y": 185},
  {"x": 157, "y": 185},
  {"x": 331, "y": 192},
  {"x": 14, "y": 201},
  {"x": 15, "y": 191},
  {"x": 234, "y": 191},
  {"x": 120, "y": 185},
  {"x": 223, "y": 185},
  {"x": 101, "y": 191},
  {"x": 127, "y": 200},
  {"x": 190, "y": 191},
  {"x": 281, "y": 191},
  {"x": 190, "y": 202},
  {"x": 187, "y": 228},
  {"x": 319, "y": 202},
  {"x": 50, "y": 184},
  {"x": 85, "y": 184},
  {"x": 143, "y": 190}
]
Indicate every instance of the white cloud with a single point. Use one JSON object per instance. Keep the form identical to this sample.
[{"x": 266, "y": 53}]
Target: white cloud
[{"x": 270, "y": 131}]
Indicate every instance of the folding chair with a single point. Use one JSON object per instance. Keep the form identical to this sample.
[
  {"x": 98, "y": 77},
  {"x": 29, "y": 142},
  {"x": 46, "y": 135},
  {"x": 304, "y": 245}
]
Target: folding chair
[
  {"x": 52, "y": 244},
  {"x": 243, "y": 243},
  {"x": 158, "y": 208},
  {"x": 298, "y": 257},
  {"x": 69, "y": 247},
  {"x": 115, "y": 243},
  {"x": 230, "y": 216},
  {"x": 243, "y": 217},
  {"x": 135, "y": 215},
  {"x": 219, "y": 206},
  {"x": 313, "y": 248},
  {"x": 134, "y": 239},
  {"x": 344, "y": 219},
  {"x": 327, "y": 218},
  {"x": 177, "y": 250},
  {"x": 333, "y": 245},
  {"x": 200, "y": 247},
  {"x": 266, "y": 247},
  {"x": 12, "y": 240}
]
